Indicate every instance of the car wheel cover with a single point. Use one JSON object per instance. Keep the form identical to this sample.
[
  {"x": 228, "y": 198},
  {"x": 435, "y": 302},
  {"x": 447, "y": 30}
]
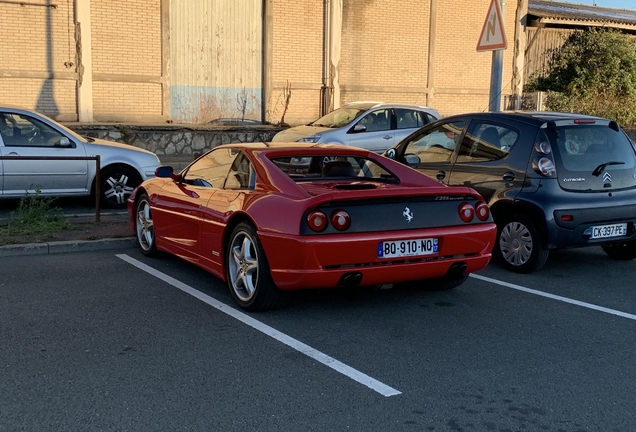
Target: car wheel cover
[
  {"x": 243, "y": 266},
  {"x": 145, "y": 226},
  {"x": 515, "y": 243},
  {"x": 117, "y": 190}
]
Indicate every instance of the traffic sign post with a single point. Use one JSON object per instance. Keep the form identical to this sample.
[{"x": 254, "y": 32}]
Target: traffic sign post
[{"x": 493, "y": 38}]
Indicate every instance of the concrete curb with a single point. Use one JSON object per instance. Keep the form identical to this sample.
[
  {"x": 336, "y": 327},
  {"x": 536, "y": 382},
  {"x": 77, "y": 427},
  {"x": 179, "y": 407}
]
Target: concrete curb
[{"x": 67, "y": 247}]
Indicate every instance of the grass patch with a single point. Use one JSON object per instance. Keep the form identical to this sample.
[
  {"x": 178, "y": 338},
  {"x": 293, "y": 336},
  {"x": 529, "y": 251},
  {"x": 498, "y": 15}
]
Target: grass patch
[{"x": 36, "y": 215}]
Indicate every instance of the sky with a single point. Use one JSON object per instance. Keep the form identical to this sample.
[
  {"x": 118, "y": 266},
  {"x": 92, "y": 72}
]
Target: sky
[{"x": 619, "y": 4}]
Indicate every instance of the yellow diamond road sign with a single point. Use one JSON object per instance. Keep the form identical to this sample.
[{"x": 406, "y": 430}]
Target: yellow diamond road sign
[{"x": 493, "y": 34}]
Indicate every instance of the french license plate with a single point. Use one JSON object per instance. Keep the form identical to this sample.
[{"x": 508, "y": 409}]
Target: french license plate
[
  {"x": 605, "y": 231},
  {"x": 407, "y": 248}
]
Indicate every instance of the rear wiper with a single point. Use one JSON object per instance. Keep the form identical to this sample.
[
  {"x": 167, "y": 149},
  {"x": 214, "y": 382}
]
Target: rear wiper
[{"x": 601, "y": 167}]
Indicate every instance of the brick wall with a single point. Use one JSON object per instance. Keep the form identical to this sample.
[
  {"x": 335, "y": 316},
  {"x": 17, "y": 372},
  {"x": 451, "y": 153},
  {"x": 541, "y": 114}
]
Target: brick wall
[
  {"x": 384, "y": 43},
  {"x": 52, "y": 97},
  {"x": 126, "y": 41},
  {"x": 38, "y": 41},
  {"x": 297, "y": 59},
  {"x": 458, "y": 66},
  {"x": 385, "y": 54}
]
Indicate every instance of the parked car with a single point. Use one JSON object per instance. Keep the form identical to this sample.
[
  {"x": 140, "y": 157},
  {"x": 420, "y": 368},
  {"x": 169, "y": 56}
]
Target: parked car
[
  {"x": 251, "y": 217},
  {"x": 552, "y": 180},
  {"x": 27, "y": 133},
  {"x": 374, "y": 126}
]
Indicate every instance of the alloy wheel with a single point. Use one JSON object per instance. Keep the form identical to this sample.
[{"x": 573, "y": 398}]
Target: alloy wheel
[
  {"x": 243, "y": 266},
  {"x": 117, "y": 190},
  {"x": 145, "y": 227}
]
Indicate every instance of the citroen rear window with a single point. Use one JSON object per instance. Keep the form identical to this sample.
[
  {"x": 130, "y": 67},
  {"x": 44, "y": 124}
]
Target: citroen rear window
[
  {"x": 585, "y": 147},
  {"x": 318, "y": 167}
]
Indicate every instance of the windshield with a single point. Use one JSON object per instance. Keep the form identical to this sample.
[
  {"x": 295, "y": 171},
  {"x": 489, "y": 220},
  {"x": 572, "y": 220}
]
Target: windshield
[
  {"x": 319, "y": 167},
  {"x": 338, "y": 118},
  {"x": 64, "y": 128}
]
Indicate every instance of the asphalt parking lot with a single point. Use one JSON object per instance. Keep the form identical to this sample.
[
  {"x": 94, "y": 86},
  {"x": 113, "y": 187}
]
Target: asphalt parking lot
[{"x": 116, "y": 341}]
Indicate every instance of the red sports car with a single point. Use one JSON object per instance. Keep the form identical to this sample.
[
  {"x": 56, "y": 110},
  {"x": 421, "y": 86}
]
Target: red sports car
[{"x": 272, "y": 217}]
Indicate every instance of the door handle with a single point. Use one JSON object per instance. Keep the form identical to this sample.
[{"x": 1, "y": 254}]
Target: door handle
[
  {"x": 387, "y": 137},
  {"x": 13, "y": 154},
  {"x": 508, "y": 176},
  {"x": 441, "y": 175}
]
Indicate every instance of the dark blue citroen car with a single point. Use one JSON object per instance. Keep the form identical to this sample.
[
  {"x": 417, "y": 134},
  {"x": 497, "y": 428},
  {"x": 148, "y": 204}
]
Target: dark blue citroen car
[{"x": 552, "y": 180}]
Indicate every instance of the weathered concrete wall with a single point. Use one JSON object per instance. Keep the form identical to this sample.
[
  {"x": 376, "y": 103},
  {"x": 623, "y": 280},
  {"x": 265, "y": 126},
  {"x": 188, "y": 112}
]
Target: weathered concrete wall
[
  {"x": 179, "y": 140},
  {"x": 176, "y": 140}
]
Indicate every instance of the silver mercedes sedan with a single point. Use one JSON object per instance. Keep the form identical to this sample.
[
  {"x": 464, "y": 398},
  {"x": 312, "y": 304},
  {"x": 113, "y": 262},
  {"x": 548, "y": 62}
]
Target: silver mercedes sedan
[{"x": 29, "y": 134}]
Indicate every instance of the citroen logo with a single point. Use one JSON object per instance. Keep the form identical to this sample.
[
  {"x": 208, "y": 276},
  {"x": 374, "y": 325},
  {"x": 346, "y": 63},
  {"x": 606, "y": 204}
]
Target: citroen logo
[
  {"x": 607, "y": 178},
  {"x": 408, "y": 214}
]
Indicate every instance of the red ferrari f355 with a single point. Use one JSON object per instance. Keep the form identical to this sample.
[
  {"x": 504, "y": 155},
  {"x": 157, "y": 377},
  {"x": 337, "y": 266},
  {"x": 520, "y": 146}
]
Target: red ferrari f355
[{"x": 273, "y": 217}]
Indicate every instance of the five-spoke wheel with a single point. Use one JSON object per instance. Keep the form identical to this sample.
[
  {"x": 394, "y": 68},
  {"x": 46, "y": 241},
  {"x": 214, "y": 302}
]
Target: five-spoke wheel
[
  {"x": 248, "y": 275},
  {"x": 144, "y": 227},
  {"x": 117, "y": 183}
]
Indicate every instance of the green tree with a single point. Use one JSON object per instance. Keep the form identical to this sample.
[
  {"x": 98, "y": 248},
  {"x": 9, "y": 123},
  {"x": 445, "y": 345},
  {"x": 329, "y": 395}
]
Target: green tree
[{"x": 594, "y": 73}]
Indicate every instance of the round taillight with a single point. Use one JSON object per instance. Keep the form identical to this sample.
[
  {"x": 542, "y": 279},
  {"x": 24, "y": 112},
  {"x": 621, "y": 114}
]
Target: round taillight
[
  {"x": 543, "y": 147},
  {"x": 340, "y": 220},
  {"x": 546, "y": 167},
  {"x": 317, "y": 220},
  {"x": 466, "y": 212},
  {"x": 482, "y": 211}
]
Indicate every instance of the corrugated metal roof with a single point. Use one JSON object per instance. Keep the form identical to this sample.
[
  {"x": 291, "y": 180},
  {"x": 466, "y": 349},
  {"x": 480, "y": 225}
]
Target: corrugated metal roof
[{"x": 578, "y": 12}]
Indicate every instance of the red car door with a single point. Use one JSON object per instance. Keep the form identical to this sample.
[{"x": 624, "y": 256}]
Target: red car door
[{"x": 182, "y": 211}]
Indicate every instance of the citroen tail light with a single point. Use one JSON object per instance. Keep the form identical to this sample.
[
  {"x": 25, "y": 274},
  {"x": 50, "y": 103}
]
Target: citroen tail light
[
  {"x": 543, "y": 147},
  {"x": 340, "y": 220},
  {"x": 542, "y": 159},
  {"x": 544, "y": 166},
  {"x": 317, "y": 220}
]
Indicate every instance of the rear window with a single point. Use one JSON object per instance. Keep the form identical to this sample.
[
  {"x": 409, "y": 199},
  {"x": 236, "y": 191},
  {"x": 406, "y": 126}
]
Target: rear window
[
  {"x": 585, "y": 147},
  {"x": 318, "y": 167}
]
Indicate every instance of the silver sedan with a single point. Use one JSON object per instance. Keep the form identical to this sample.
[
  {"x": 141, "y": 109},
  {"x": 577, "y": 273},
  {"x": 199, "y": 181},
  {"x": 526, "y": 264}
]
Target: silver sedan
[
  {"x": 30, "y": 134},
  {"x": 374, "y": 126}
]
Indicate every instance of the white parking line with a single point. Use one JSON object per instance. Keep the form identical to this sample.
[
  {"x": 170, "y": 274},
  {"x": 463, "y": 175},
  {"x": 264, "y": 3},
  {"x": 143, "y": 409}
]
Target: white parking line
[
  {"x": 556, "y": 297},
  {"x": 334, "y": 364}
]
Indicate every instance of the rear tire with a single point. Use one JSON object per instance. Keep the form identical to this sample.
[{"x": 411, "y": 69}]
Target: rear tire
[
  {"x": 519, "y": 246},
  {"x": 144, "y": 226},
  {"x": 621, "y": 252},
  {"x": 248, "y": 273}
]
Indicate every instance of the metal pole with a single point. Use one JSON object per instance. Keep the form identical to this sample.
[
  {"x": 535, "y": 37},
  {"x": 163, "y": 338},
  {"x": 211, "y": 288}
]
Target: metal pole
[
  {"x": 496, "y": 70},
  {"x": 98, "y": 181},
  {"x": 325, "y": 96}
]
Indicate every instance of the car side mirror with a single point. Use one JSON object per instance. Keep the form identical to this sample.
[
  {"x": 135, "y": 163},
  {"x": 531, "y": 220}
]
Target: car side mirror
[
  {"x": 359, "y": 128},
  {"x": 64, "y": 142},
  {"x": 390, "y": 153},
  {"x": 166, "y": 171},
  {"x": 412, "y": 159}
]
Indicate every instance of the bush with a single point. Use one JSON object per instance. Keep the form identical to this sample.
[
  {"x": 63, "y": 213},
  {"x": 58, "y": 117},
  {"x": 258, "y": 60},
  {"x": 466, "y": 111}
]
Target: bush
[{"x": 593, "y": 73}]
